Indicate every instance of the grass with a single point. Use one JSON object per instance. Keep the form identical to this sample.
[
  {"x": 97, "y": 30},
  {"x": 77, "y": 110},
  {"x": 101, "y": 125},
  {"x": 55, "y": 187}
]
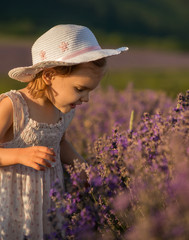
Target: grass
[
  {"x": 7, "y": 84},
  {"x": 172, "y": 81}
]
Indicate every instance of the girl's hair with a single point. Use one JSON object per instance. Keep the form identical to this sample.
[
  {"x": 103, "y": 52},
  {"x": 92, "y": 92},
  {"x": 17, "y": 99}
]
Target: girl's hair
[{"x": 38, "y": 88}]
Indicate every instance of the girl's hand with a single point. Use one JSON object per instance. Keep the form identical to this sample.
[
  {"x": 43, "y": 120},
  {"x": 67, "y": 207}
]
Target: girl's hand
[{"x": 33, "y": 156}]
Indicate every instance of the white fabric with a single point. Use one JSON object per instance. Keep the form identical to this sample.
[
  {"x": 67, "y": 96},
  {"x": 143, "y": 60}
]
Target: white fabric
[
  {"x": 61, "y": 41},
  {"x": 24, "y": 191},
  {"x": 63, "y": 45}
]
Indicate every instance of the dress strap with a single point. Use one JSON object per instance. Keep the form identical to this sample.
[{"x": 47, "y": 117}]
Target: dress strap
[{"x": 18, "y": 110}]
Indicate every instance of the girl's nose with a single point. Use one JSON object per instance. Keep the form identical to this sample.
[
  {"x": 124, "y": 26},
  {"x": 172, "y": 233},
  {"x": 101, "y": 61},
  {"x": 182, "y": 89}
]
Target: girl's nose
[{"x": 85, "y": 98}]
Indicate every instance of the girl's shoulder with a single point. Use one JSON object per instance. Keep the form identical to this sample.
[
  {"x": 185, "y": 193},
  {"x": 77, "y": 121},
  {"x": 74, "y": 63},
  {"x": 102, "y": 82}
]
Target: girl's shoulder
[
  {"x": 10, "y": 100},
  {"x": 12, "y": 94},
  {"x": 11, "y": 107},
  {"x": 6, "y": 102},
  {"x": 6, "y": 114}
]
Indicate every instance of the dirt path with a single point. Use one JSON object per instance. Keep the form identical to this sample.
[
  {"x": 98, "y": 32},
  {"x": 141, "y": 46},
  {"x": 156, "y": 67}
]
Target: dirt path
[
  {"x": 16, "y": 56},
  {"x": 145, "y": 58}
]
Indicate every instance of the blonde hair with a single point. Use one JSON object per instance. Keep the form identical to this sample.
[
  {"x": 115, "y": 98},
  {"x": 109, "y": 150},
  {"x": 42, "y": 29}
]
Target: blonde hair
[{"x": 38, "y": 88}]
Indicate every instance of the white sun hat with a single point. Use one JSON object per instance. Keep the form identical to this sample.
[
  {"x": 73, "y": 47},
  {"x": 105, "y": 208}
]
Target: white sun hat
[{"x": 62, "y": 45}]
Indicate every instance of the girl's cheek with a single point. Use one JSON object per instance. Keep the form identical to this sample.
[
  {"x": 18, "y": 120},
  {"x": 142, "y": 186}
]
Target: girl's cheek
[{"x": 77, "y": 95}]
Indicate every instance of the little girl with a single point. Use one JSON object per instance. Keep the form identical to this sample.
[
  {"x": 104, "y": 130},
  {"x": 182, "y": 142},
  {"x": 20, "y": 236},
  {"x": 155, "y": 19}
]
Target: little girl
[{"x": 68, "y": 64}]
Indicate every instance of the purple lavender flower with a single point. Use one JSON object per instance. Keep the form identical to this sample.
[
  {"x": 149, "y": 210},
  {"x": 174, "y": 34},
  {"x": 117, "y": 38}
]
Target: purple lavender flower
[{"x": 138, "y": 180}]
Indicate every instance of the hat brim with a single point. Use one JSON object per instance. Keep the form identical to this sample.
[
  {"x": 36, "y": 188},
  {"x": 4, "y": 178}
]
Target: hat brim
[{"x": 27, "y": 74}]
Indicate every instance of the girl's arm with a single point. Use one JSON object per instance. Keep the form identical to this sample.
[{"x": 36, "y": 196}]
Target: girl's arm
[
  {"x": 6, "y": 118},
  {"x": 37, "y": 157},
  {"x": 31, "y": 156},
  {"x": 68, "y": 152}
]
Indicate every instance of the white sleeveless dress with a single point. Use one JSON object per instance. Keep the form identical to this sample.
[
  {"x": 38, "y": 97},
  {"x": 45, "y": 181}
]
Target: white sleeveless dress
[{"x": 24, "y": 191}]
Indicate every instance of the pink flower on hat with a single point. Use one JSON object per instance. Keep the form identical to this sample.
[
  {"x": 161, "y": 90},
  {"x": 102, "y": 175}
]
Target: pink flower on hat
[
  {"x": 43, "y": 55},
  {"x": 64, "y": 46}
]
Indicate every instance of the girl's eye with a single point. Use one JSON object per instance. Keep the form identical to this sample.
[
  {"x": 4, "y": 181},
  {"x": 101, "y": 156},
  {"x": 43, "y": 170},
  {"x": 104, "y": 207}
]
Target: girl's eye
[{"x": 79, "y": 90}]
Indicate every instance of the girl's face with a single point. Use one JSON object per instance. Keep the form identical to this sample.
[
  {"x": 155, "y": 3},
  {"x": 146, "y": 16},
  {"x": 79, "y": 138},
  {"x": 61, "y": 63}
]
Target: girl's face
[{"x": 72, "y": 90}]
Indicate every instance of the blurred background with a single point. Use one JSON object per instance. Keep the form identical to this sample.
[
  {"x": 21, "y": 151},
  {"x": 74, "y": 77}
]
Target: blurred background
[{"x": 156, "y": 33}]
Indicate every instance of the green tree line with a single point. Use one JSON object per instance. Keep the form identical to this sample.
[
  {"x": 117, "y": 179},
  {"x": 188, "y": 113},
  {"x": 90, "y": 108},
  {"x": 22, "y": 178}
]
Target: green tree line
[{"x": 128, "y": 19}]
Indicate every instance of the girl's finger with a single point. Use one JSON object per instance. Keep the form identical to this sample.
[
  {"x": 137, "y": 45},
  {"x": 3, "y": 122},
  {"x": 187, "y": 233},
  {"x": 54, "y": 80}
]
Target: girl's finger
[
  {"x": 42, "y": 162},
  {"x": 46, "y": 150},
  {"x": 46, "y": 156},
  {"x": 37, "y": 167}
]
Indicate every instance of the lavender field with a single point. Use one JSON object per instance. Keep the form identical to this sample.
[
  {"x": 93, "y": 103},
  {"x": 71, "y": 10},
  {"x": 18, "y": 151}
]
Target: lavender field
[{"x": 136, "y": 147}]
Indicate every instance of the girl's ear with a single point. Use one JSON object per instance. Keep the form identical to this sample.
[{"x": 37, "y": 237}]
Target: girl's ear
[{"x": 48, "y": 75}]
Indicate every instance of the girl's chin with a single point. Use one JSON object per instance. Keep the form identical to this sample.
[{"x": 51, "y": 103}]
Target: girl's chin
[
  {"x": 64, "y": 109},
  {"x": 67, "y": 109}
]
